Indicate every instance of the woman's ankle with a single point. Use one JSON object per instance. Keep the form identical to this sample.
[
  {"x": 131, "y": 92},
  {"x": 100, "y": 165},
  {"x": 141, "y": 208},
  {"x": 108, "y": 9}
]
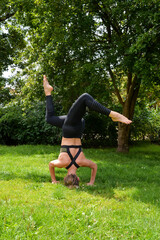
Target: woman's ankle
[{"x": 47, "y": 93}]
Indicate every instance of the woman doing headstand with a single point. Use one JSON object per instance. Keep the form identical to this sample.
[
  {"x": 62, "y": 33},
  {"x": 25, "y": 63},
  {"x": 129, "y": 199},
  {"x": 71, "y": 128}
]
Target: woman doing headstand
[{"x": 71, "y": 155}]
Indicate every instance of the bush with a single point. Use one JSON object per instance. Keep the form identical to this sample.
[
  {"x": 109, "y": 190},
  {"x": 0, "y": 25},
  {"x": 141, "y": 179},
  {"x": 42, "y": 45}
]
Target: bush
[
  {"x": 27, "y": 127},
  {"x": 146, "y": 124},
  {"x": 100, "y": 131},
  {"x": 19, "y": 126}
]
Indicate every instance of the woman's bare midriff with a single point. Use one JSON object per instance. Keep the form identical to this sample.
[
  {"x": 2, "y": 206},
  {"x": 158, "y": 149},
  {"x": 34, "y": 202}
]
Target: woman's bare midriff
[{"x": 71, "y": 141}]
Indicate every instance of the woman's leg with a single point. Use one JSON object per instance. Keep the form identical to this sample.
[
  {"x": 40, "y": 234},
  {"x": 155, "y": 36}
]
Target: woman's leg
[
  {"x": 50, "y": 113},
  {"x": 78, "y": 109}
]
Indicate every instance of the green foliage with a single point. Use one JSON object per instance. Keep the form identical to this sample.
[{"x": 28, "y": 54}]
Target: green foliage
[
  {"x": 11, "y": 43},
  {"x": 146, "y": 121},
  {"x": 100, "y": 131},
  {"x": 5, "y": 94},
  {"x": 18, "y": 126},
  {"x": 76, "y": 43},
  {"x": 21, "y": 124},
  {"x": 27, "y": 125},
  {"x": 146, "y": 124}
]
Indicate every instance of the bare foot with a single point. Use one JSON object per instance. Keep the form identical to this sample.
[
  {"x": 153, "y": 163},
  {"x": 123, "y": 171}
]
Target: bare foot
[
  {"x": 47, "y": 87},
  {"x": 117, "y": 117}
]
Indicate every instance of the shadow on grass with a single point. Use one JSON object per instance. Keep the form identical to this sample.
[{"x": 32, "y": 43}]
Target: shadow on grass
[
  {"x": 133, "y": 176},
  {"x": 28, "y": 150},
  {"x": 134, "y": 182},
  {"x": 121, "y": 177},
  {"x": 35, "y": 177}
]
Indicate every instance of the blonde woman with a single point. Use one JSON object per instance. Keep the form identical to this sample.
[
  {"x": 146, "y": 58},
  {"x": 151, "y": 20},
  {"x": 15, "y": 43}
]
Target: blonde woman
[{"x": 71, "y": 154}]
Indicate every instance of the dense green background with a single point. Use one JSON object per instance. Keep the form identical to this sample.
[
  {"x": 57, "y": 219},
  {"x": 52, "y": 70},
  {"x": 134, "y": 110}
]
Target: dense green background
[{"x": 109, "y": 49}]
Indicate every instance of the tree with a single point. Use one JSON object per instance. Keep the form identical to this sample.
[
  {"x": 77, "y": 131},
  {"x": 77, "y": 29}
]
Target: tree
[
  {"x": 11, "y": 42},
  {"x": 132, "y": 42},
  {"x": 76, "y": 40},
  {"x": 146, "y": 123}
]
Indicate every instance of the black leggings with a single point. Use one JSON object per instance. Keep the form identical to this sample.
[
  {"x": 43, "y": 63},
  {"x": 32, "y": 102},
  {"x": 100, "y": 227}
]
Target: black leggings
[{"x": 73, "y": 124}]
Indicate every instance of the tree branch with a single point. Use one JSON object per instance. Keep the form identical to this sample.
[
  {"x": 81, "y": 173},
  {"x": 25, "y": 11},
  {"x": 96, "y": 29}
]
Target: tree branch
[
  {"x": 133, "y": 102},
  {"x": 115, "y": 87},
  {"x": 8, "y": 15},
  {"x": 134, "y": 86},
  {"x": 131, "y": 90},
  {"x": 109, "y": 33},
  {"x": 106, "y": 18},
  {"x": 130, "y": 101},
  {"x": 129, "y": 81},
  {"x": 113, "y": 22}
]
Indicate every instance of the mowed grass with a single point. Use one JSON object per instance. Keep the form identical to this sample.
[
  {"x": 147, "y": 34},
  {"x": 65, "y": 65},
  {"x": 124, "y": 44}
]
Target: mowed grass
[{"x": 123, "y": 204}]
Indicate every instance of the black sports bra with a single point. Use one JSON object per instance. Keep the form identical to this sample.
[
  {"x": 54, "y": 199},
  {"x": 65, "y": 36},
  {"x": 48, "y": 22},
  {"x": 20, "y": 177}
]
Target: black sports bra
[{"x": 65, "y": 148}]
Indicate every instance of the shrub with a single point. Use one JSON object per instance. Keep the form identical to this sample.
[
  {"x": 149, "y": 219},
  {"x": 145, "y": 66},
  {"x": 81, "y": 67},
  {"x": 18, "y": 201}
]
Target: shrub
[
  {"x": 26, "y": 127},
  {"x": 18, "y": 126},
  {"x": 146, "y": 124},
  {"x": 100, "y": 131}
]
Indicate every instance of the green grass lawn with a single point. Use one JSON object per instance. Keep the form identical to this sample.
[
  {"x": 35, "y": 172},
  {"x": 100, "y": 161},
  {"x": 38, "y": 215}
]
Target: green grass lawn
[{"x": 123, "y": 204}]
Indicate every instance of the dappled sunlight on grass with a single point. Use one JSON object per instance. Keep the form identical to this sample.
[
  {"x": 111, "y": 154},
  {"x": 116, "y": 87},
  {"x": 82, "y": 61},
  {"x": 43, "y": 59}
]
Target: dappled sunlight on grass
[{"x": 123, "y": 202}]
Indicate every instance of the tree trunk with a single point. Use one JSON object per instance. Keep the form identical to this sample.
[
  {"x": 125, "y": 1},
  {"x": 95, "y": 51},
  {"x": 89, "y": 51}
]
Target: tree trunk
[
  {"x": 123, "y": 138},
  {"x": 133, "y": 86},
  {"x": 128, "y": 111},
  {"x": 124, "y": 130}
]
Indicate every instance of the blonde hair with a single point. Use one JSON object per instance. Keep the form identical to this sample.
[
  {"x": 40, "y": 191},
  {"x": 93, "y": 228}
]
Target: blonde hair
[{"x": 71, "y": 180}]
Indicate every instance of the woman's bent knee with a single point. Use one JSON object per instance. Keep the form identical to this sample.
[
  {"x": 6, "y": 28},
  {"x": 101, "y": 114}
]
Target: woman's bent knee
[
  {"x": 86, "y": 96},
  {"x": 49, "y": 120}
]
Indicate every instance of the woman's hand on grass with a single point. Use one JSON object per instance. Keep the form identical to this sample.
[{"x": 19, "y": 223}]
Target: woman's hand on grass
[
  {"x": 55, "y": 182},
  {"x": 90, "y": 184}
]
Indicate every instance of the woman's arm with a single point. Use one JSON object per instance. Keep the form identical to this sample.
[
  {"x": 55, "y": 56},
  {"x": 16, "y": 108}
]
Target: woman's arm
[
  {"x": 93, "y": 166},
  {"x": 93, "y": 174},
  {"x": 52, "y": 165}
]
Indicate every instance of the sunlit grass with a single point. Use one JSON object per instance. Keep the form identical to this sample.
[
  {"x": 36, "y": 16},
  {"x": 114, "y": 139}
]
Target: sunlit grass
[{"x": 123, "y": 204}]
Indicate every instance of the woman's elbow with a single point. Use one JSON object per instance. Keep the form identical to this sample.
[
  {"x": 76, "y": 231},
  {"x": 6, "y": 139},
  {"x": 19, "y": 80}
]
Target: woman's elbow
[
  {"x": 95, "y": 167},
  {"x": 51, "y": 164}
]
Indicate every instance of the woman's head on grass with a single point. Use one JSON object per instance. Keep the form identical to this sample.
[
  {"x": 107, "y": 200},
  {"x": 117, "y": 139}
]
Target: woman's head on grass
[{"x": 71, "y": 180}]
